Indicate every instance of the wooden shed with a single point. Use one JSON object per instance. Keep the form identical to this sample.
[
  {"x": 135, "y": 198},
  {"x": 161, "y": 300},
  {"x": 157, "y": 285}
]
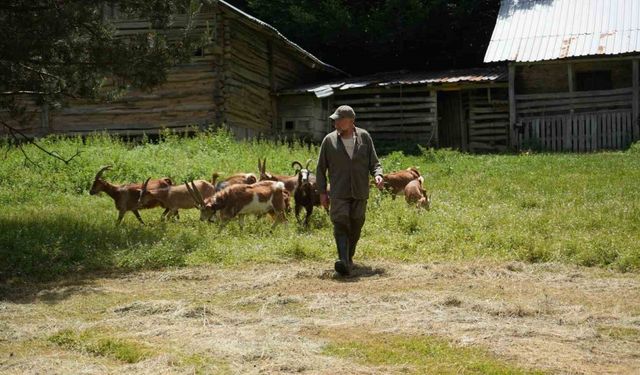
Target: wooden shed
[
  {"x": 462, "y": 109},
  {"x": 573, "y": 72},
  {"x": 231, "y": 81}
]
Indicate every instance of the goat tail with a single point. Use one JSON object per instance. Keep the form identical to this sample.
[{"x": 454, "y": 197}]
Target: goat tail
[{"x": 279, "y": 185}]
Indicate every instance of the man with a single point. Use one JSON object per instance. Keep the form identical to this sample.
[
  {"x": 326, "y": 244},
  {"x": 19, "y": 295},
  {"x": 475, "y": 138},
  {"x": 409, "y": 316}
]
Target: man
[{"x": 350, "y": 157}]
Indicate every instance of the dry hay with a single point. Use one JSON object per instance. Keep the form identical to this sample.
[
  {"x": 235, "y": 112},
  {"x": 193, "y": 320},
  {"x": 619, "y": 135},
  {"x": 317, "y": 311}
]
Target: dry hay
[{"x": 263, "y": 319}]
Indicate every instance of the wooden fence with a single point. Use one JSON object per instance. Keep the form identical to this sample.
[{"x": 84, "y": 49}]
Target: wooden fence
[
  {"x": 577, "y": 121},
  {"x": 583, "y": 132}
]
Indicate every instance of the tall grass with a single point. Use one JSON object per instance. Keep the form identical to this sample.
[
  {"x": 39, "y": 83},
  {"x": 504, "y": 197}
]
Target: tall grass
[{"x": 581, "y": 209}]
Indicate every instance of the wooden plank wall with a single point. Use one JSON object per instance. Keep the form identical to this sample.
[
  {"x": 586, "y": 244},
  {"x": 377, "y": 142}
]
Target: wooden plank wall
[
  {"x": 233, "y": 83},
  {"x": 259, "y": 66},
  {"x": 303, "y": 109},
  {"x": 248, "y": 98},
  {"x": 488, "y": 119},
  {"x": 185, "y": 100},
  {"x": 579, "y": 121},
  {"x": 584, "y": 132},
  {"x": 398, "y": 113}
]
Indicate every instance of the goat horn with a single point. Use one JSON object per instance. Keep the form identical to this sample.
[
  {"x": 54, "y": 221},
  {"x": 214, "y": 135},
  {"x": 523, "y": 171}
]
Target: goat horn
[
  {"x": 145, "y": 184},
  {"x": 197, "y": 193},
  {"x": 308, "y": 162},
  {"x": 99, "y": 174},
  {"x": 293, "y": 164},
  {"x": 193, "y": 195}
]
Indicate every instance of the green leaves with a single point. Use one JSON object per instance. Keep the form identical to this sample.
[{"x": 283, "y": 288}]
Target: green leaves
[{"x": 59, "y": 50}]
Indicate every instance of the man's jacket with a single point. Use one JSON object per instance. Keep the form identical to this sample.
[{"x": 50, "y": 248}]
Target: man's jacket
[{"x": 349, "y": 177}]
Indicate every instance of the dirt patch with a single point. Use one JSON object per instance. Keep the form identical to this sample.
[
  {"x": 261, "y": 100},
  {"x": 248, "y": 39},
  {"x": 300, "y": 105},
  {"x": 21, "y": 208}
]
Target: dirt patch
[{"x": 563, "y": 319}]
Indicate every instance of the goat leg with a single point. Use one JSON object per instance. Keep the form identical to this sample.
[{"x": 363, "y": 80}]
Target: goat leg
[
  {"x": 309, "y": 212},
  {"x": 120, "y": 216},
  {"x": 135, "y": 212},
  {"x": 297, "y": 211}
]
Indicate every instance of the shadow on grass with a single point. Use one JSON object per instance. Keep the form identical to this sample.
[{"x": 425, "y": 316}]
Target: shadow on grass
[
  {"x": 56, "y": 248},
  {"x": 358, "y": 272}
]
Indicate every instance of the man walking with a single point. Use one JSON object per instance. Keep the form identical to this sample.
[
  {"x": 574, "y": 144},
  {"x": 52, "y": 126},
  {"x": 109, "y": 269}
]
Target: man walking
[{"x": 350, "y": 157}]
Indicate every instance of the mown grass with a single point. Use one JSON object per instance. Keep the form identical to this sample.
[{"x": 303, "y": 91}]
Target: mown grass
[
  {"x": 580, "y": 209},
  {"x": 99, "y": 344},
  {"x": 419, "y": 355}
]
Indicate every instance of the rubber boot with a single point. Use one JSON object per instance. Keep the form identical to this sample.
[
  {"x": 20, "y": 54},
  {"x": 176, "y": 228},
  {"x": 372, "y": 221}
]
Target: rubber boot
[{"x": 343, "y": 265}]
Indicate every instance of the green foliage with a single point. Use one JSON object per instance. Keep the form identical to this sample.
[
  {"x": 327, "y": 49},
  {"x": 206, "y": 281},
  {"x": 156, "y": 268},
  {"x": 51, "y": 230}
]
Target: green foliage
[
  {"x": 389, "y": 34},
  {"x": 62, "y": 49},
  {"x": 580, "y": 209},
  {"x": 420, "y": 355}
]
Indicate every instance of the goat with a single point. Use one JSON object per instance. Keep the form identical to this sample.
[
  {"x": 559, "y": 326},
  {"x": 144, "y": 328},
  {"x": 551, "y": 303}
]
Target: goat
[
  {"x": 238, "y": 178},
  {"x": 415, "y": 194},
  {"x": 290, "y": 182},
  {"x": 174, "y": 198},
  {"x": 126, "y": 196},
  {"x": 395, "y": 182},
  {"x": 306, "y": 194},
  {"x": 269, "y": 197}
]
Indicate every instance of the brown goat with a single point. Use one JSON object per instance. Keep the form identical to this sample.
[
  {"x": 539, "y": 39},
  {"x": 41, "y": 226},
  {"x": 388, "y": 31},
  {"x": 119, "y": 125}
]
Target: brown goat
[
  {"x": 395, "y": 182},
  {"x": 268, "y": 197},
  {"x": 238, "y": 178},
  {"x": 290, "y": 182},
  {"x": 414, "y": 193},
  {"x": 174, "y": 198},
  {"x": 126, "y": 196}
]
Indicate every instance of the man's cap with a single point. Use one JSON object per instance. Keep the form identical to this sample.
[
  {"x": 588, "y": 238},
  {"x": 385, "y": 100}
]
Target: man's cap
[{"x": 344, "y": 111}]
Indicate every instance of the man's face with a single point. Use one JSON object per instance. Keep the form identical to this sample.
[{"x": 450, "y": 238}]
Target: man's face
[{"x": 343, "y": 124}]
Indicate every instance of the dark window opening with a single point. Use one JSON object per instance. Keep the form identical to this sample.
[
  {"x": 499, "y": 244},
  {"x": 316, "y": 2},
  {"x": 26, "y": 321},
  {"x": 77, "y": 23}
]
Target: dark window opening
[
  {"x": 594, "y": 80},
  {"x": 289, "y": 125},
  {"x": 199, "y": 52}
]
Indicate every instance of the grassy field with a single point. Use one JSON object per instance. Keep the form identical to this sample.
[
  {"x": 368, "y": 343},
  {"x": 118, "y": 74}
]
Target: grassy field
[{"x": 568, "y": 208}]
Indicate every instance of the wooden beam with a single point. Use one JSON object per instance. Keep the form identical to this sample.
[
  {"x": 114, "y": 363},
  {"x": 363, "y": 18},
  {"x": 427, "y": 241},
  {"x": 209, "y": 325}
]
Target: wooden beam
[
  {"x": 434, "y": 127},
  {"x": 464, "y": 128},
  {"x": 512, "y": 107},
  {"x": 635, "y": 76}
]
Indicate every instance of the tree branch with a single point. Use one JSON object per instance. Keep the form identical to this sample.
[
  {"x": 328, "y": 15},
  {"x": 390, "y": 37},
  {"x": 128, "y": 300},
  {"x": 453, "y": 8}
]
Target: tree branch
[{"x": 13, "y": 131}]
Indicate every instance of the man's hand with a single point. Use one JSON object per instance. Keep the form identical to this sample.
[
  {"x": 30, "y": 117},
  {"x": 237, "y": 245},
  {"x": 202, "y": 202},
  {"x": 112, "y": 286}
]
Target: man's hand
[
  {"x": 324, "y": 200},
  {"x": 379, "y": 182}
]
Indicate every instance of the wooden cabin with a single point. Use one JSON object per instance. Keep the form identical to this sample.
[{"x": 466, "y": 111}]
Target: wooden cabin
[
  {"x": 462, "y": 109},
  {"x": 573, "y": 72},
  {"x": 231, "y": 81}
]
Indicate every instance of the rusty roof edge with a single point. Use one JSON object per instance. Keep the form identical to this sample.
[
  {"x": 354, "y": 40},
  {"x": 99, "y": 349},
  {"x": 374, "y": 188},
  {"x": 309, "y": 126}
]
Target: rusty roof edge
[{"x": 461, "y": 76}]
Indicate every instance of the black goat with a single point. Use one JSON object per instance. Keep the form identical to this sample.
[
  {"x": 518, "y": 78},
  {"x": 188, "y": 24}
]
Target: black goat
[{"x": 306, "y": 193}]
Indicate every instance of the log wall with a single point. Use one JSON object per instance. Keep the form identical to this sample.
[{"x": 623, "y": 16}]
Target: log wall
[{"x": 232, "y": 83}]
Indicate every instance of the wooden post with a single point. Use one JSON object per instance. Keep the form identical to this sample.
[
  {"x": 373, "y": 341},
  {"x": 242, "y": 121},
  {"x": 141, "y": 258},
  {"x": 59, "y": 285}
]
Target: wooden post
[
  {"x": 464, "y": 128},
  {"x": 512, "y": 135},
  {"x": 567, "y": 134},
  {"x": 434, "y": 127},
  {"x": 635, "y": 76}
]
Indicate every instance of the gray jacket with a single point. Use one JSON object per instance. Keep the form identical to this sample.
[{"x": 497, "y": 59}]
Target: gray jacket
[{"x": 349, "y": 177}]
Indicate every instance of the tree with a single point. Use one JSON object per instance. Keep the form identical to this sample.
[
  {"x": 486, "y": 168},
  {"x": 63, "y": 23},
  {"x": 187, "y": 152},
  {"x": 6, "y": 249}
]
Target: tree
[
  {"x": 53, "y": 50},
  {"x": 367, "y": 36}
]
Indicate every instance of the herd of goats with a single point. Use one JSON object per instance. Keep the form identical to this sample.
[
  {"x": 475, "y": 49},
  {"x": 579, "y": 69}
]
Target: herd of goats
[{"x": 243, "y": 193}]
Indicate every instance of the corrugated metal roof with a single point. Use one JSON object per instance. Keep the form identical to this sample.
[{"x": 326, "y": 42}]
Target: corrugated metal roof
[
  {"x": 288, "y": 42},
  {"x": 536, "y": 30},
  {"x": 321, "y": 90}
]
